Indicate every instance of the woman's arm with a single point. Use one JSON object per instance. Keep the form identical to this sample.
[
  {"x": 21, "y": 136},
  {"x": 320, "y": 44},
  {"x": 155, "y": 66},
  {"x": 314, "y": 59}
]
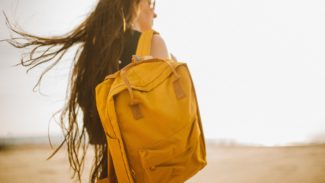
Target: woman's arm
[{"x": 159, "y": 48}]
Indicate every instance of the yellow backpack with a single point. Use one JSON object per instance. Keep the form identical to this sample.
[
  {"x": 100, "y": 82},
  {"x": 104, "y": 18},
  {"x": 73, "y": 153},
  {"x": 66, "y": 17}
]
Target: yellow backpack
[{"x": 151, "y": 118}]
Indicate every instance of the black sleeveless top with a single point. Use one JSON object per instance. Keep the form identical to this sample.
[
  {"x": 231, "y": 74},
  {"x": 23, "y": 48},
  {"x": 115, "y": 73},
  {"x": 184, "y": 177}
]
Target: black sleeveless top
[{"x": 130, "y": 46}]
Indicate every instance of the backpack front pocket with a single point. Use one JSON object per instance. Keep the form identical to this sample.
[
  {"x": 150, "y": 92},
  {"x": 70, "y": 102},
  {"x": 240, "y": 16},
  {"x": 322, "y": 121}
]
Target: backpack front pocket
[
  {"x": 172, "y": 160},
  {"x": 163, "y": 165}
]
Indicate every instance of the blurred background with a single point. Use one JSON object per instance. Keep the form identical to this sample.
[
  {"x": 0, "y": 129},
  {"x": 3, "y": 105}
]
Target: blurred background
[{"x": 258, "y": 68}]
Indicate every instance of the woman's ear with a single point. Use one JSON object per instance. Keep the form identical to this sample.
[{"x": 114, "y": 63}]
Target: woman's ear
[{"x": 135, "y": 16}]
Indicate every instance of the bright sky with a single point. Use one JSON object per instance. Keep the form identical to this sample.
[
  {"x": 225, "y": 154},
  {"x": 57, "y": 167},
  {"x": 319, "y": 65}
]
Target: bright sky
[{"x": 258, "y": 65}]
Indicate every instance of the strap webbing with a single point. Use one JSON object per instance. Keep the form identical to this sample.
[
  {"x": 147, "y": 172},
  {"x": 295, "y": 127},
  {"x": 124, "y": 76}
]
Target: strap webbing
[{"x": 144, "y": 44}]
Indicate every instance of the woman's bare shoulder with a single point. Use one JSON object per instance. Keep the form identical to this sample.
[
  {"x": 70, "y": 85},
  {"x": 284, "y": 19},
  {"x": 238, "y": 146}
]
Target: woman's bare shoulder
[{"x": 159, "y": 48}]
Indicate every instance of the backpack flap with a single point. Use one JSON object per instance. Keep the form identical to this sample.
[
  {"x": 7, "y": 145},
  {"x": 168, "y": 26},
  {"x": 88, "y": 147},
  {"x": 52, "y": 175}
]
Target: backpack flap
[{"x": 144, "y": 75}]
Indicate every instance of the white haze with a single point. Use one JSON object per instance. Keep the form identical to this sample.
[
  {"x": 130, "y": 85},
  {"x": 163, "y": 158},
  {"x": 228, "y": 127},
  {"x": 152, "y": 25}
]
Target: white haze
[{"x": 258, "y": 66}]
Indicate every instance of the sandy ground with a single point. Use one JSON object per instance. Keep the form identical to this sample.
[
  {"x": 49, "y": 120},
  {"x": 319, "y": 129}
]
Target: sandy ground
[{"x": 226, "y": 164}]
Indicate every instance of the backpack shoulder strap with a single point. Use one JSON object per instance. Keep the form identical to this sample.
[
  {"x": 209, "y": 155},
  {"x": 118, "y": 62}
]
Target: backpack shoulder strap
[{"x": 144, "y": 44}]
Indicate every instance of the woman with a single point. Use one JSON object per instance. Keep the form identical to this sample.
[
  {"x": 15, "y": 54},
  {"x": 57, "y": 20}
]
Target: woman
[{"x": 106, "y": 39}]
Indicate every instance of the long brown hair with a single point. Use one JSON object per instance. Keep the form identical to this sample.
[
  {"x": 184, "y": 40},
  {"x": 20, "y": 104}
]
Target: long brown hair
[{"x": 100, "y": 43}]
